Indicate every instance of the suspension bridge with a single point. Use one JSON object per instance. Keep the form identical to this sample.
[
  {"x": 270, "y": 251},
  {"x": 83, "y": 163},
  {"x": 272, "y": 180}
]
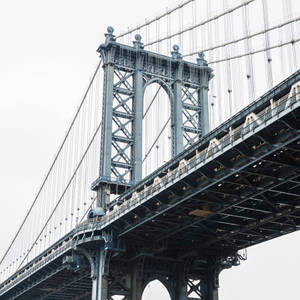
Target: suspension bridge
[{"x": 183, "y": 152}]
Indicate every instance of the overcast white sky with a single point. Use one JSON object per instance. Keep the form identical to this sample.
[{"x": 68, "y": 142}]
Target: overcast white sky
[{"x": 47, "y": 54}]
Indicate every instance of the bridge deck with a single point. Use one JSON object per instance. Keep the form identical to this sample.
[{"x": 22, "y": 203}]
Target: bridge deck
[
  {"x": 247, "y": 175},
  {"x": 238, "y": 186}
]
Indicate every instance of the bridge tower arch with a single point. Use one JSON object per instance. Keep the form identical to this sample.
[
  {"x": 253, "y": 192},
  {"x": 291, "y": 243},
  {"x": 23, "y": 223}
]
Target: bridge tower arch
[
  {"x": 157, "y": 125},
  {"x": 128, "y": 70}
]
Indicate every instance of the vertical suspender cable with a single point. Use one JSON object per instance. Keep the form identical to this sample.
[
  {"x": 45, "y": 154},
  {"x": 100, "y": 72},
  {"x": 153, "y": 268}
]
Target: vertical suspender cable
[
  {"x": 236, "y": 69},
  {"x": 282, "y": 62},
  {"x": 248, "y": 58},
  {"x": 212, "y": 91},
  {"x": 194, "y": 36},
  {"x": 268, "y": 55},
  {"x": 180, "y": 22},
  {"x": 168, "y": 32},
  {"x": 128, "y": 37},
  {"x": 290, "y": 35},
  {"x": 73, "y": 183},
  {"x": 157, "y": 102},
  {"x": 219, "y": 93},
  {"x": 228, "y": 62}
]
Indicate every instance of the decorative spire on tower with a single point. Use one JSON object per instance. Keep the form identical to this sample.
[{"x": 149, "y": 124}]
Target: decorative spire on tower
[
  {"x": 109, "y": 37},
  {"x": 201, "y": 61},
  {"x": 137, "y": 43},
  {"x": 175, "y": 54}
]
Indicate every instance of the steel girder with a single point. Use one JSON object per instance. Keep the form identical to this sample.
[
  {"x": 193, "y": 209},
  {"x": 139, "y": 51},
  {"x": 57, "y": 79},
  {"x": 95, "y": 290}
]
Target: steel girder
[{"x": 122, "y": 129}]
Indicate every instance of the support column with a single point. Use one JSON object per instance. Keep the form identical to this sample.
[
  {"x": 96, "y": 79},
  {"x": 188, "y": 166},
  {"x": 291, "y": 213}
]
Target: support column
[
  {"x": 210, "y": 280},
  {"x": 197, "y": 285},
  {"x": 136, "y": 282},
  {"x": 100, "y": 281},
  {"x": 177, "y": 283},
  {"x": 181, "y": 286},
  {"x": 177, "y": 119},
  {"x": 204, "y": 115},
  {"x": 213, "y": 284},
  {"x": 138, "y": 111},
  {"x": 177, "y": 143},
  {"x": 103, "y": 193},
  {"x": 106, "y": 132},
  {"x": 205, "y": 76}
]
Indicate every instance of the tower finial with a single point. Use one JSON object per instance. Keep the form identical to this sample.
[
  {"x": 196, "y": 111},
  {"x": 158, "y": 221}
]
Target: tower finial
[
  {"x": 175, "y": 53},
  {"x": 110, "y": 30},
  {"x": 201, "y": 61},
  {"x": 109, "y": 37},
  {"x": 137, "y": 42}
]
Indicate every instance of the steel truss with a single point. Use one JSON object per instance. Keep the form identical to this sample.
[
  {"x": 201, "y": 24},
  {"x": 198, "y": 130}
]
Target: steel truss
[
  {"x": 191, "y": 110},
  {"x": 122, "y": 119}
]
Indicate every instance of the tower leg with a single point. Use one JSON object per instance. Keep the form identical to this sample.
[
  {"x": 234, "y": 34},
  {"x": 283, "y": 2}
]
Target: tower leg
[
  {"x": 137, "y": 126},
  {"x": 202, "y": 286},
  {"x": 210, "y": 281},
  {"x": 177, "y": 143},
  {"x": 181, "y": 284},
  {"x": 213, "y": 286},
  {"x": 136, "y": 282},
  {"x": 100, "y": 282},
  {"x": 126, "y": 280},
  {"x": 204, "y": 115}
]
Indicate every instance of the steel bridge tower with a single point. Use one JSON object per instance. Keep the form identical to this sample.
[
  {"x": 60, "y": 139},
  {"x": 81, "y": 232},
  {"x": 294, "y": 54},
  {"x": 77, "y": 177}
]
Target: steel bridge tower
[{"x": 128, "y": 70}]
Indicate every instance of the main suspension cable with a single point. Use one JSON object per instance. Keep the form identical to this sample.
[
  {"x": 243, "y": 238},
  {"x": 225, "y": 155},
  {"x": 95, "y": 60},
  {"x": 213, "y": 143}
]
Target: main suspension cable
[
  {"x": 245, "y": 37},
  {"x": 168, "y": 12},
  {"x": 256, "y": 51},
  {"x": 228, "y": 11}
]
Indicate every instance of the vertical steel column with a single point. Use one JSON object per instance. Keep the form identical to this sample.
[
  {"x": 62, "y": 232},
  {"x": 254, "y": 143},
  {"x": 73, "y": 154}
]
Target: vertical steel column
[
  {"x": 181, "y": 285},
  {"x": 100, "y": 282},
  {"x": 134, "y": 280},
  {"x": 205, "y": 76},
  {"x": 103, "y": 193},
  {"x": 177, "y": 144},
  {"x": 212, "y": 284},
  {"x": 138, "y": 111},
  {"x": 136, "y": 283}
]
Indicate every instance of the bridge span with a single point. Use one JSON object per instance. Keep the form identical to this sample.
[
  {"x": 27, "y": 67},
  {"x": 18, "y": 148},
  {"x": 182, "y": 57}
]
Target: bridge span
[{"x": 236, "y": 187}]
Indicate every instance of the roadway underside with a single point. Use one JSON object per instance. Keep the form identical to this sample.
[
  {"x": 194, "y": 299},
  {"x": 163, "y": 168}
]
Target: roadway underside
[
  {"x": 243, "y": 196},
  {"x": 247, "y": 195}
]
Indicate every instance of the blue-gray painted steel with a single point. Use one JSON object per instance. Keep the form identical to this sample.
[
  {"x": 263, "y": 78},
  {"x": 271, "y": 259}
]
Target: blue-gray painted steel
[{"x": 127, "y": 72}]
